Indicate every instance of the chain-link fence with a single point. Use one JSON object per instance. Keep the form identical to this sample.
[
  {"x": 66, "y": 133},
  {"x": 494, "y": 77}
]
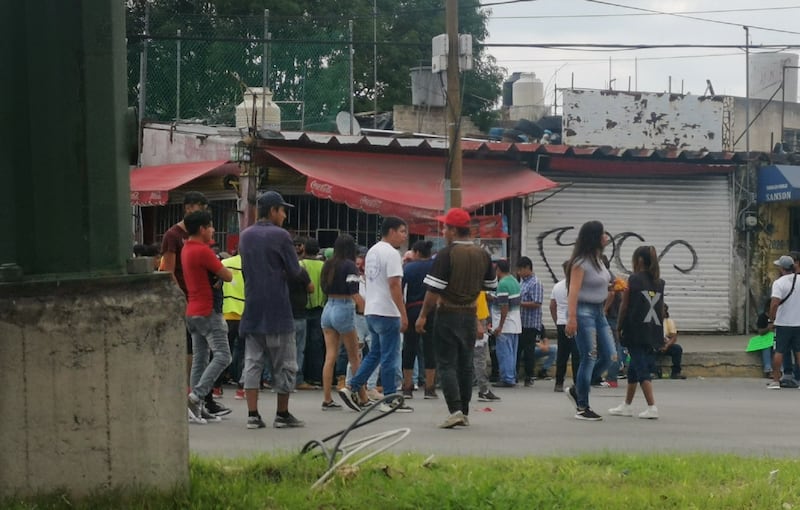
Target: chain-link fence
[{"x": 198, "y": 68}]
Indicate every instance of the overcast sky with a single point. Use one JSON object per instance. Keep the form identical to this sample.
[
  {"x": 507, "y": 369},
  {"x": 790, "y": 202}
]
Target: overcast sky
[{"x": 588, "y": 22}]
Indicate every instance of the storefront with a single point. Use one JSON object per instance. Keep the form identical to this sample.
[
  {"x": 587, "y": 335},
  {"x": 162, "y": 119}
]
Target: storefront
[
  {"x": 687, "y": 219},
  {"x": 778, "y": 215}
]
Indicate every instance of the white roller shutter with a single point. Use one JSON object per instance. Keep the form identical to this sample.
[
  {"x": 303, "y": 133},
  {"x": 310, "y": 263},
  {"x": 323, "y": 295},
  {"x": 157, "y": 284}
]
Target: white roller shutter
[{"x": 687, "y": 220}]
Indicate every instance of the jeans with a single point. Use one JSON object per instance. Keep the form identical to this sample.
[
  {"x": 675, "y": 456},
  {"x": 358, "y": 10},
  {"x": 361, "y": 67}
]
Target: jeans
[
  {"x": 384, "y": 351},
  {"x": 506, "y": 350},
  {"x": 208, "y": 333},
  {"x": 595, "y": 346},
  {"x": 549, "y": 356},
  {"x": 454, "y": 342},
  {"x": 364, "y": 338},
  {"x": 315, "y": 346},
  {"x": 300, "y": 344},
  {"x": 675, "y": 352}
]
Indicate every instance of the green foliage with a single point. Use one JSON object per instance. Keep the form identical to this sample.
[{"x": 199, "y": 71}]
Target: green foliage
[
  {"x": 308, "y": 56},
  {"x": 602, "y": 481}
]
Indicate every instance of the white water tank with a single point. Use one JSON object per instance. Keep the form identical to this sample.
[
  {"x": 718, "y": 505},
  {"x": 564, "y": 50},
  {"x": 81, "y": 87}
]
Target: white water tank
[
  {"x": 528, "y": 90},
  {"x": 427, "y": 88},
  {"x": 268, "y": 114}
]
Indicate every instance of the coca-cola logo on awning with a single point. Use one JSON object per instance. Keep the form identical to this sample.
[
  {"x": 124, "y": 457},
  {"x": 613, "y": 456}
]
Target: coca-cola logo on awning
[
  {"x": 321, "y": 188},
  {"x": 372, "y": 203}
]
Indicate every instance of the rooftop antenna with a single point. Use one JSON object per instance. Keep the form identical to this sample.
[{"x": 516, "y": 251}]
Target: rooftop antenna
[{"x": 709, "y": 89}]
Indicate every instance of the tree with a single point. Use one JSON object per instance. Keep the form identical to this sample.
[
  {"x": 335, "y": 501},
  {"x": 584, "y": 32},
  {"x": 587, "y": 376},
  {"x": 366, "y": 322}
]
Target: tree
[{"x": 308, "y": 57}]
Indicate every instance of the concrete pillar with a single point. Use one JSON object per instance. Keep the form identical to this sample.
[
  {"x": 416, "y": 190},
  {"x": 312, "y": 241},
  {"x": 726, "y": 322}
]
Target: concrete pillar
[
  {"x": 96, "y": 385},
  {"x": 64, "y": 181}
]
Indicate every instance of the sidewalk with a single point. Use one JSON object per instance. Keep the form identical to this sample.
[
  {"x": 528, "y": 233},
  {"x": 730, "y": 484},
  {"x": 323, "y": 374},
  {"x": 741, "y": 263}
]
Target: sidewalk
[{"x": 716, "y": 356}]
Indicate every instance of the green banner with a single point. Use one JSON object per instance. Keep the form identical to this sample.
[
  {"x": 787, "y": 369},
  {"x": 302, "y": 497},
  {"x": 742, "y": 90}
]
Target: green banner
[{"x": 760, "y": 342}]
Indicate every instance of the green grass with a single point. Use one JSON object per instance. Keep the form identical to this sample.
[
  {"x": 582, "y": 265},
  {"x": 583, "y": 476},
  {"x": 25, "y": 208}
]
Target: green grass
[{"x": 390, "y": 482}]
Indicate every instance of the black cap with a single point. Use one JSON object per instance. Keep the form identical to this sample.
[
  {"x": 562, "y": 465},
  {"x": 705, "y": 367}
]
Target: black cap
[{"x": 270, "y": 199}]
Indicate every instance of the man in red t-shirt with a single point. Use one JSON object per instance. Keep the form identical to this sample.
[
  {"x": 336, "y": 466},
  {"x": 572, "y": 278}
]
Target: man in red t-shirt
[
  {"x": 171, "y": 245},
  {"x": 204, "y": 319}
]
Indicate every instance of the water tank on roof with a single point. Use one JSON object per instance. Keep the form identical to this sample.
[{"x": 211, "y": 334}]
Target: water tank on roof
[
  {"x": 268, "y": 114},
  {"x": 528, "y": 90},
  {"x": 508, "y": 89},
  {"x": 427, "y": 88}
]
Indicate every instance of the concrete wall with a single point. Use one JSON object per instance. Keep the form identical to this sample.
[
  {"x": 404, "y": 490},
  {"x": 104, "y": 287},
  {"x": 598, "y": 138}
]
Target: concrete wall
[
  {"x": 430, "y": 120},
  {"x": 642, "y": 120},
  {"x": 94, "y": 373},
  {"x": 766, "y": 125}
]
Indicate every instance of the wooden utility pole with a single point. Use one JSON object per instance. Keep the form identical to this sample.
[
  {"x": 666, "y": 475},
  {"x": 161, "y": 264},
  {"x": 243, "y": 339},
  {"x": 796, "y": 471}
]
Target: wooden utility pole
[{"x": 453, "y": 172}]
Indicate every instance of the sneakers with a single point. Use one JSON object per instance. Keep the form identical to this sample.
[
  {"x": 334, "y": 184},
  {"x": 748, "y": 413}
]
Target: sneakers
[
  {"x": 456, "y": 418},
  {"x": 431, "y": 394},
  {"x": 208, "y": 417},
  {"x": 677, "y": 376},
  {"x": 408, "y": 393},
  {"x": 773, "y": 385},
  {"x": 349, "y": 399},
  {"x": 558, "y": 388},
  {"x": 528, "y": 382},
  {"x": 503, "y": 384},
  {"x": 374, "y": 394},
  {"x": 572, "y": 395},
  {"x": 216, "y": 392},
  {"x": 239, "y": 394},
  {"x": 487, "y": 396},
  {"x": 588, "y": 415},
  {"x": 331, "y": 406},
  {"x": 288, "y": 421},
  {"x": 255, "y": 422},
  {"x": 621, "y": 410},
  {"x": 401, "y": 408},
  {"x": 651, "y": 413},
  {"x": 197, "y": 420},
  {"x": 217, "y": 409},
  {"x": 195, "y": 406}
]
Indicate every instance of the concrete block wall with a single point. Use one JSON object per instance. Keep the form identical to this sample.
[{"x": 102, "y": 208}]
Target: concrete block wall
[
  {"x": 428, "y": 119},
  {"x": 95, "y": 379}
]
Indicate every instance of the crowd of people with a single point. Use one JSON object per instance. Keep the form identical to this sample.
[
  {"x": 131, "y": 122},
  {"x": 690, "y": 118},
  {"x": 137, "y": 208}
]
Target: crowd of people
[{"x": 363, "y": 324}]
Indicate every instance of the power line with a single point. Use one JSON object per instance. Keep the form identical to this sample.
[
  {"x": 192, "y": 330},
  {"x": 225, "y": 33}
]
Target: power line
[
  {"x": 643, "y": 14},
  {"x": 640, "y": 59},
  {"x": 692, "y": 17}
]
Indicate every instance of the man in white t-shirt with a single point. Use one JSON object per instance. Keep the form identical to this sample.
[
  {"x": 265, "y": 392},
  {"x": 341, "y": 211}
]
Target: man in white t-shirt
[
  {"x": 567, "y": 348},
  {"x": 784, "y": 316},
  {"x": 385, "y": 313}
]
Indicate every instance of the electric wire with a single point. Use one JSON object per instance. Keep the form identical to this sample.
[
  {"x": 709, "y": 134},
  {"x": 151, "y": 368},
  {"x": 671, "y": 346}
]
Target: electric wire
[{"x": 349, "y": 450}]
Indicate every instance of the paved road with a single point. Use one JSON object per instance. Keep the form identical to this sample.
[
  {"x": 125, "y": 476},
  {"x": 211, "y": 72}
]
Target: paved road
[{"x": 726, "y": 415}]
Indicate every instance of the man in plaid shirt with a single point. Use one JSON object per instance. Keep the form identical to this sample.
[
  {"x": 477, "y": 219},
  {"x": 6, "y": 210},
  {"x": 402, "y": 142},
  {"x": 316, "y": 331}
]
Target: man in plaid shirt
[{"x": 531, "y": 295}]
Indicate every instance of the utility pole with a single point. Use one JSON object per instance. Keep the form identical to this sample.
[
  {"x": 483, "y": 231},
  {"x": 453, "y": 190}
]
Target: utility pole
[
  {"x": 453, "y": 171},
  {"x": 747, "y": 162}
]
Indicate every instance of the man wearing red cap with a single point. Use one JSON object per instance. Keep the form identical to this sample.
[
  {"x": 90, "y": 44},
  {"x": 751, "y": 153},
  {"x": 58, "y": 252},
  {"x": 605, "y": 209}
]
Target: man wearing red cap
[{"x": 461, "y": 270}]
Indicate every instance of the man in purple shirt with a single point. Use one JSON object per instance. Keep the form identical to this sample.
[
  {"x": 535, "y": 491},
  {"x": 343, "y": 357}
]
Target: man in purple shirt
[{"x": 268, "y": 261}]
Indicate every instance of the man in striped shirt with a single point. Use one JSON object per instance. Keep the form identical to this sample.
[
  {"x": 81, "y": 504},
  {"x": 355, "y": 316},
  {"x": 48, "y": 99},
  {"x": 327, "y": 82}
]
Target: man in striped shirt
[
  {"x": 459, "y": 272},
  {"x": 506, "y": 324}
]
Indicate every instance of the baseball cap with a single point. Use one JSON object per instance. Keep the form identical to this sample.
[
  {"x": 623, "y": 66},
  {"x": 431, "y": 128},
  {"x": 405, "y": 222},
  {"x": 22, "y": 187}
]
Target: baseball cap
[
  {"x": 455, "y": 217},
  {"x": 271, "y": 199},
  {"x": 786, "y": 262}
]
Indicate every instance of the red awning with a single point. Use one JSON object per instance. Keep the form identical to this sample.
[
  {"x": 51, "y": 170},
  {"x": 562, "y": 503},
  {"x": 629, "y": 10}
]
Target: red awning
[
  {"x": 150, "y": 185},
  {"x": 406, "y": 186}
]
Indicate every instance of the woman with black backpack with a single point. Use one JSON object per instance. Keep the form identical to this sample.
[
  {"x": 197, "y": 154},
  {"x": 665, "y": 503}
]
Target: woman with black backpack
[{"x": 641, "y": 330}]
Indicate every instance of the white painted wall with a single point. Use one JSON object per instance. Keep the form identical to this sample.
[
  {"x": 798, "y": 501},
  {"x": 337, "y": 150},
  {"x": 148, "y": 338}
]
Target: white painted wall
[{"x": 642, "y": 120}]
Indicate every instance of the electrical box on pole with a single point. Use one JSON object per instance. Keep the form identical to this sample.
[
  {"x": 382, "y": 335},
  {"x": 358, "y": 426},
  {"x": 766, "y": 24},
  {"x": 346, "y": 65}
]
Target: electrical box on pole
[{"x": 439, "y": 53}]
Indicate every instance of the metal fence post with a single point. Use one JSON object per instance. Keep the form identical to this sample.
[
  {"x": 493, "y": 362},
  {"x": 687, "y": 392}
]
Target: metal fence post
[{"x": 178, "y": 80}]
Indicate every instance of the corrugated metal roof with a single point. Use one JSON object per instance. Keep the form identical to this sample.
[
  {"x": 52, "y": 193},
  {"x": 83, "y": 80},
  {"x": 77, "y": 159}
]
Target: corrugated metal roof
[{"x": 476, "y": 148}]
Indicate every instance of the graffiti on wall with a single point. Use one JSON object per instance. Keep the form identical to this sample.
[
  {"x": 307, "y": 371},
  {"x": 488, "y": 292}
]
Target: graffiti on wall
[{"x": 615, "y": 245}]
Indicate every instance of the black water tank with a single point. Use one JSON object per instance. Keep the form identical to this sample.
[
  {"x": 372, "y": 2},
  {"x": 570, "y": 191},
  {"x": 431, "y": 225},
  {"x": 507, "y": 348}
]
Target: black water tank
[{"x": 508, "y": 87}]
